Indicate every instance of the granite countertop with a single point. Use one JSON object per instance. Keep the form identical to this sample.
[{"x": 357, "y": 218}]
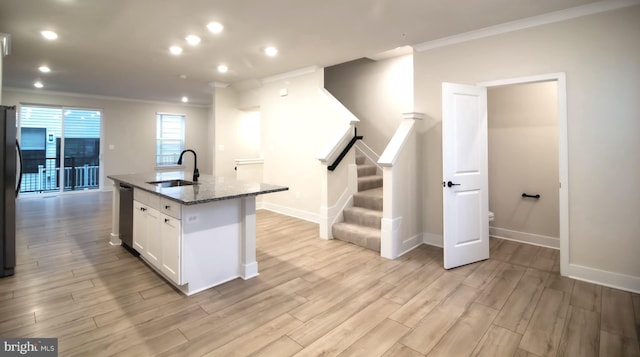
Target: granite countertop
[{"x": 208, "y": 188}]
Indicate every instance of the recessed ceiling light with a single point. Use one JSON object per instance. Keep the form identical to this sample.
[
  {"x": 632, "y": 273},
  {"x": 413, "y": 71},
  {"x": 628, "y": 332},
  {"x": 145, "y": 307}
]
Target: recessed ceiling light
[
  {"x": 185, "y": 99},
  {"x": 38, "y": 84},
  {"x": 271, "y": 51},
  {"x": 49, "y": 35},
  {"x": 176, "y": 50},
  {"x": 44, "y": 69},
  {"x": 223, "y": 68},
  {"x": 215, "y": 27},
  {"x": 193, "y": 40}
]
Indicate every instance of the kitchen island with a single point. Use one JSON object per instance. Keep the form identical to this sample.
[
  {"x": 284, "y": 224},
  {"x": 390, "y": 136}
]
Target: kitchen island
[{"x": 195, "y": 234}]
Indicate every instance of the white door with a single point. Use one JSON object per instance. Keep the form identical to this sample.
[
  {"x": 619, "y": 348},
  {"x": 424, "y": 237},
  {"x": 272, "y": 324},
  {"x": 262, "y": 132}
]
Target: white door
[{"x": 464, "y": 167}]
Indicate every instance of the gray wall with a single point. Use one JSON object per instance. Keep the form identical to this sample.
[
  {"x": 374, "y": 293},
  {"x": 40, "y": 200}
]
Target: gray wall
[
  {"x": 600, "y": 55},
  {"x": 377, "y": 92},
  {"x": 523, "y": 157},
  {"x": 130, "y": 126}
]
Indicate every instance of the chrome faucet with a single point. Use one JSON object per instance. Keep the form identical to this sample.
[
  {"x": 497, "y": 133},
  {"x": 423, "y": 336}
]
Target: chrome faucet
[{"x": 196, "y": 173}]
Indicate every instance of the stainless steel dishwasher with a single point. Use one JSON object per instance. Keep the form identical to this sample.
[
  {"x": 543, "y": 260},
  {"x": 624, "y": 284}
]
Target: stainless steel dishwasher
[{"x": 126, "y": 218}]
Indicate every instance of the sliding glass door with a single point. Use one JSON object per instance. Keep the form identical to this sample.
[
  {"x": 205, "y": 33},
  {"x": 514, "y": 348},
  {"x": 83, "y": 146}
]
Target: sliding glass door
[{"x": 60, "y": 148}]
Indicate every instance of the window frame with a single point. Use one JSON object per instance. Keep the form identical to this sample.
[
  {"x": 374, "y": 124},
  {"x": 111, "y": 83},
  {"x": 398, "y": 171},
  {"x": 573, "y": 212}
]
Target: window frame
[{"x": 160, "y": 116}]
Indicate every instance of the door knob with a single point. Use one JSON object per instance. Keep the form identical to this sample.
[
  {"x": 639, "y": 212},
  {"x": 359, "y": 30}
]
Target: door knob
[{"x": 450, "y": 184}]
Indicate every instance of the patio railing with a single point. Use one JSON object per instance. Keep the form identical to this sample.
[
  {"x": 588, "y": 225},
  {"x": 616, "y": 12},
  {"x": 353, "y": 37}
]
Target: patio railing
[{"x": 46, "y": 177}]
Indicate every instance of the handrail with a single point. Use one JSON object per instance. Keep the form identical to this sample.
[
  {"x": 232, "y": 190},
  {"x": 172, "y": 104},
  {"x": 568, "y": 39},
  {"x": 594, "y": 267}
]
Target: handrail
[{"x": 346, "y": 150}]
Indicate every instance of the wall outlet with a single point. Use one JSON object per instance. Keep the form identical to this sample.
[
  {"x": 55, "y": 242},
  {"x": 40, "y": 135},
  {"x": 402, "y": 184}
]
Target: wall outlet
[{"x": 192, "y": 218}]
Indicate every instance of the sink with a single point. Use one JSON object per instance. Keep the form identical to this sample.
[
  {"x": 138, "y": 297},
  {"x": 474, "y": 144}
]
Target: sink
[{"x": 172, "y": 183}]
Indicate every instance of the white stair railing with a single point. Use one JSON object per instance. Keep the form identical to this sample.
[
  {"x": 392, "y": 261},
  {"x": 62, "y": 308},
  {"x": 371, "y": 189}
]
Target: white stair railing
[
  {"x": 401, "y": 229},
  {"x": 338, "y": 186}
]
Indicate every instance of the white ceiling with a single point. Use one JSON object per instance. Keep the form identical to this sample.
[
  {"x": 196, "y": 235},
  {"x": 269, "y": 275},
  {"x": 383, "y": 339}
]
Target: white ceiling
[{"x": 119, "y": 48}]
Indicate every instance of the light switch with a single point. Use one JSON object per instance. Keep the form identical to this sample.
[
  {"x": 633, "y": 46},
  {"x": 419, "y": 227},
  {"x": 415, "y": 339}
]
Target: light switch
[
  {"x": 112, "y": 147},
  {"x": 284, "y": 92}
]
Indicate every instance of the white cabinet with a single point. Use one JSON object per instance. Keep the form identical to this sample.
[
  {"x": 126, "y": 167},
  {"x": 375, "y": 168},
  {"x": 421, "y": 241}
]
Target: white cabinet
[
  {"x": 154, "y": 246},
  {"x": 157, "y": 236},
  {"x": 170, "y": 236},
  {"x": 139, "y": 227}
]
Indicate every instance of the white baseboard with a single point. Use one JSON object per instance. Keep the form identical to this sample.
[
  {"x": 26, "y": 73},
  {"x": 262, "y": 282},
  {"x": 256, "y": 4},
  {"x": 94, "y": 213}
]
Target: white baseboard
[
  {"x": 606, "y": 278},
  {"x": 432, "y": 239},
  {"x": 292, "y": 212},
  {"x": 523, "y": 237},
  {"x": 410, "y": 244}
]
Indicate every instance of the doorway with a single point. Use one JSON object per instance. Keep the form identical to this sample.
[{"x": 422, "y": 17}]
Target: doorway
[
  {"x": 523, "y": 162},
  {"x": 60, "y": 149},
  {"x": 562, "y": 153}
]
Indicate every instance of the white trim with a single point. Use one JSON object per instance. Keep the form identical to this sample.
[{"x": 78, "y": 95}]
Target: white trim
[
  {"x": 291, "y": 212},
  {"x": 397, "y": 142},
  {"x": 103, "y": 97},
  {"x": 606, "y": 278},
  {"x": 563, "y": 153},
  {"x": 292, "y": 74},
  {"x": 432, "y": 239},
  {"x": 254, "y": 161},
  {"x": 368, "y": 152},
  {"x": 524, "y": 237},
  {"x": 549, "y": 18},
  {"x": 5, "y": 44},
  {"x": 338, "y": 106},
  {"x": 115, "y": 239},
  {"x": 215, "y": 85},
  {"x": 413, "y": 115},
  {"x": 339, "y": 141}
]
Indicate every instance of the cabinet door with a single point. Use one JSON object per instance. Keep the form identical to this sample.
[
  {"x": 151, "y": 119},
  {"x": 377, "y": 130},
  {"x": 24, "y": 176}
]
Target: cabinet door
[
  {"x": 154, "y": 243},
  {"x": 170, "y": 233},
  {"x": 139, "y": 227}
]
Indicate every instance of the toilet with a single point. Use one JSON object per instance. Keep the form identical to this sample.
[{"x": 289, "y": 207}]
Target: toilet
[{"x": 491, "y": 216}]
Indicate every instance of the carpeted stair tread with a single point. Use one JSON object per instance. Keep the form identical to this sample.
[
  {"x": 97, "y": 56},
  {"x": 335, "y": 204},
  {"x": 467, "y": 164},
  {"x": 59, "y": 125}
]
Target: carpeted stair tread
[
  {"x": 371, "y": 199},
  {"x": 369, "y": 182},
  {"x": 365, "y": 237},
  {"x": 363, "y": 216},
  {"x": 367, "y": 170}
]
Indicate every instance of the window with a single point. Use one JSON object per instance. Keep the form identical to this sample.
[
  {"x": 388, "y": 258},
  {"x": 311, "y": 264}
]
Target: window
[
  {"x": 169, "y": 138},
  {"x": 60, "y": 148}
]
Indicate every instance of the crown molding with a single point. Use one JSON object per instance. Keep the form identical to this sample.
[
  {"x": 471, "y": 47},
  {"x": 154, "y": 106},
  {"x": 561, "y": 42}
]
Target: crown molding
[
  {"x": 292, "y": 74},
  {"x": 103, "y": 97},
  {"x": 218, "y": 85},
  {"x": 535, "y": 21}
]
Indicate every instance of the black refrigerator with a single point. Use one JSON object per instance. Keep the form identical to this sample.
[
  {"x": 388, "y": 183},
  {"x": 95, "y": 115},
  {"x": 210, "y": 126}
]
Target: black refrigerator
[{"x": 10, "y": 177}]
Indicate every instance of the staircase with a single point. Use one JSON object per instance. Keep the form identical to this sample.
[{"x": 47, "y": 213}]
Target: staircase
[{"x": 361, "y": 224}]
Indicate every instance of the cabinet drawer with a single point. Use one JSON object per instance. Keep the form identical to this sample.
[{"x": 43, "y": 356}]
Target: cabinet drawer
[
  {"x": 171, "y": 208},
  {"x": 147, "y": 198}
]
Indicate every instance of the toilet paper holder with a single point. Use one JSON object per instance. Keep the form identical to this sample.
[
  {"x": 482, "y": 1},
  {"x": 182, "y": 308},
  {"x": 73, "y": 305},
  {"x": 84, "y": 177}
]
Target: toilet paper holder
[{"x": 536, "y": 196}]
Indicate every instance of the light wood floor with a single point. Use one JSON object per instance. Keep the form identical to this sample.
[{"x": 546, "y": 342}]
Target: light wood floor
[{"x": 313, "y": 297}]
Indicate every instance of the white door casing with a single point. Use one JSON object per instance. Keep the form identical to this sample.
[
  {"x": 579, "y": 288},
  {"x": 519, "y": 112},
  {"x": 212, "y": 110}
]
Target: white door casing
[{"x": 465, "y": 171}]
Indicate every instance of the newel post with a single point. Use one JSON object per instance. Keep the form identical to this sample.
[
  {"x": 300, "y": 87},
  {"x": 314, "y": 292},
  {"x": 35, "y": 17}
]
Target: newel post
[{"x": 397, "y": 160}]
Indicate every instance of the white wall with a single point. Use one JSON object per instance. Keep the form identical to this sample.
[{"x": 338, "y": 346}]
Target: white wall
[
  {"x": 237, "y": 132},
  {"x": 377, "y": 92},
  {"x": 295, "y": 128},
  {"x": 600, "y": 55},
  {"x": 523, "y": 158},
  {"x": 130, "y": 126}
]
